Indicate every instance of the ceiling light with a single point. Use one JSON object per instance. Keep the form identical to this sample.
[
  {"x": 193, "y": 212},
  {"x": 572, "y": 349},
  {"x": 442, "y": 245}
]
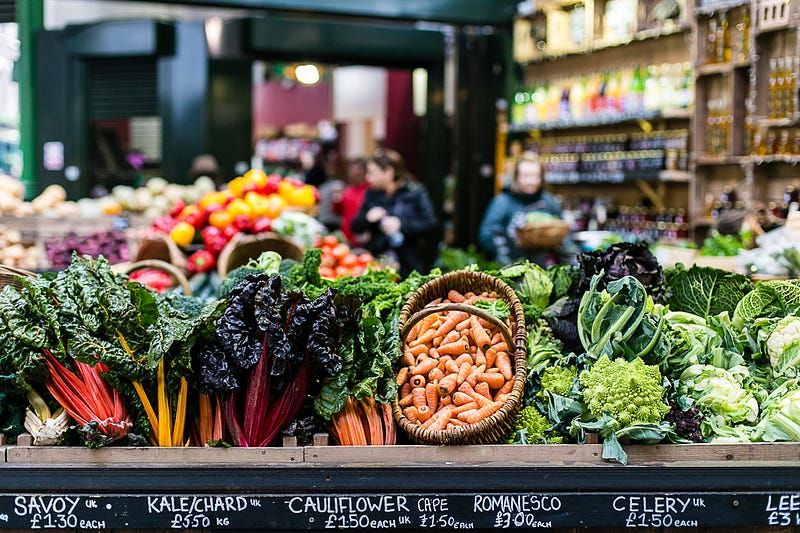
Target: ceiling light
[{"x": 307, "y": 74}]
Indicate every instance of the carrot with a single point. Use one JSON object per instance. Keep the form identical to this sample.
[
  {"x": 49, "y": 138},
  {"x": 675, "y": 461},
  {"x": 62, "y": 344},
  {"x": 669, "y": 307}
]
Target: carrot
[
  {"x": 406, "y": 400},
  {"x": 419, "y": 399},
  {"x": 452, "y": 367},
  {"x": 479, "y": 334},
  {"x": 505, "y": 389},
  {"x": 405, "y": 389},
  {"x": 436, "y": 374},
  {"x": 491, "y": 357},
  {"x": 503, "y": 362},
  {"x": 500, "y": 346},
  {"x": 455, "y": 348},
  {"x": 439, "y": 419},
  {"x": 455, "y": 296},
  {"x": 423, "y": 413},
  {"x": 423, "y": 325},
  {"x": 445, "y": 400},
  {"x": 452, "y": 336},
  {"x": 460, "y": 398},
  {"x": 462, "y": 408},
  {"x": 432, "y": 395},
  {"x": 472, "y": 379},
  {"x": 484, "y": 390},
  {"x": 497, "y": 337},
  {"x": 424, "y": 338},
  {"x": 479, "y": 357},
  {"x": 448, "y": 384},
  {"x": 402, "y": 376},
  {"x": 435, "y": 301},
  {"x": 424, "y": 366},
  {"x": 502, "y": 398},
  {"x": 476, "y": 415},
  {"x": 416, "y": 351},
  {"x": 417, "y": 381},
  {"x": 463, "y": 372},
  {"x": 408, "y": 358},
  {"x": 464, "y": 324},
  {"x": 494, "y": 380},
  {"x": 453, "y": 318}
]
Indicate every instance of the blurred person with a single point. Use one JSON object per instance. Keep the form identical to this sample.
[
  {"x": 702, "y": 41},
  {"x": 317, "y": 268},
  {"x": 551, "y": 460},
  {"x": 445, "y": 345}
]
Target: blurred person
[
  {"x": 524, "y": 194},
  {"x": 352, "y": 197},
  {"x": 205, "y": 165},
  {"x": 397, "y": 214}
]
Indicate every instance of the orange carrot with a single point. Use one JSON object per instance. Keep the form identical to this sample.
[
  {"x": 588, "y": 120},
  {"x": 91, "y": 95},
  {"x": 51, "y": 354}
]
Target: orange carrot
[
  {"x": 460, "y": 398},
  {"x": 405, "y": 389},
  {"x": 452, "y": 336},
  {"x": 502, "y": 398},
  {"x": 483, "y": 389},
  {"x": 455, "y": 296},
  {"x": 451, "y": 367},
  {"x": 455, "y": 348},
  {"x": 491, "y": 357},
  {"x": 476, "y": 415},
  {"x": 505, "y": 389},
  {"x": 432, "y": 395},
  {"x": 448, "y": 384},
  {"x": 464, "y": 324},
  {"x": 425, "y": 338},
  {"x": 497, "y": 337},
  {"x": 416, "y": 351},
  {"x": 500, "y": 346},
  {"x": 406, "y": 400},
  {"x": 402, "y": 376},
  {"x": 461, "y": 408},
  {"x": 423, "y": 325},
  {"x": 436, "y": 374},
  {"x": 453, "y": 318},
  {"x": 423, "y": 413},
  {"x": 424, "y": 366},
  {"x": 472, "y": 379},
  {"x": 435, "y": 301},
  {"x": 408, "y": 359},
  {"x": 479, "y": 358},
  {"x": 503, "y": 362},
  {"x": 494, "y": 380},
  {"x": 479, "y": 335},
  {"x": 417, "y": 381},
  {"x": 439, "y": 420},
  {"x": 445, "y": 400},
  {"x": 463, "y": 358},
  {"x": 419, "y": 399},
  {"x": 463, "y": 372}
]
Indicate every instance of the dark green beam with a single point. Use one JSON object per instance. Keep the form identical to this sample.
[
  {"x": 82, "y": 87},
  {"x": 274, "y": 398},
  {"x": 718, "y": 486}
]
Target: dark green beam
[
  {"x": 30, "y": 19},
  {"x": 490, "y": 12}
]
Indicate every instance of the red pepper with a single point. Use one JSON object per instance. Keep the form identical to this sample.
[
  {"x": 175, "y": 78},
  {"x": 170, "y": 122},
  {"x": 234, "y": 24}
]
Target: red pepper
[
  {"x": 200, "y": 261},
  {"x": 230, "y": 232},
  {"x": 164, "y": 223},
  {"x": 242, "y": 222},
  {"x": 213, "y": 240},
  {"x": 262, "y": 224},
  {"x": 177, "y": 207}
]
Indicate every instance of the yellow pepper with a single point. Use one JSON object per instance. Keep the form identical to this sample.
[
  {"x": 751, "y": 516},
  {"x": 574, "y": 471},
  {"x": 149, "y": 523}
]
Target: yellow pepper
[
  {"x": 182, "y": 234},
  {"x": 220, "y": 219},
  {"x": 238, "y": 207}
]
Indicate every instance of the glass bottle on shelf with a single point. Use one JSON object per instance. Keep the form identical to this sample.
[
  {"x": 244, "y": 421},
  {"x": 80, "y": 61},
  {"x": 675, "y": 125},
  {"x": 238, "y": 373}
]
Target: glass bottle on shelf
[
  {"x": 723, "y": 48},
  {"x": 742, "y": 36},
  {"x": 780, "y": 88},
  {"x": 711, "y": 40},
  {"x": 771, "y": 95},
  {"x": 790, "y": 82}
]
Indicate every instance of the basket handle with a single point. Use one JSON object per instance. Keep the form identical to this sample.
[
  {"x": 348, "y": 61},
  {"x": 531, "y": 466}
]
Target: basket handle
[
  {"x": 169, "y": 268},
  {"x": 470, "y": 309}
]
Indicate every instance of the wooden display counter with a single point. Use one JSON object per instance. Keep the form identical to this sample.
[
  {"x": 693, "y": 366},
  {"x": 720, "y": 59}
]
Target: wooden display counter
[{"x": 691, "y": 487}]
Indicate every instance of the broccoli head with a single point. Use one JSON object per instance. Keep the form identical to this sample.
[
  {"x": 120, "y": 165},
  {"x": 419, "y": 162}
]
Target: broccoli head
[
  {"x": 558, "y": 380},
  {"x": 532, "y": 427},
  {"x": 630, "y": 391}
]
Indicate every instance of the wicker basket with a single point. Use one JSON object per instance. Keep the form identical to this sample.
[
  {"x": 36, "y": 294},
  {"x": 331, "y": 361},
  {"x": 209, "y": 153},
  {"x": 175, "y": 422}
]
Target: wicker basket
[
  {"x": 497, "y": 426},
  {"x": 169, "y": 268},
  {"x": 161, "y": 247},
  {"x": 242, "y": 248},
  {"x": 549, "y": 234},
  {"x": 9, "y": 276}
]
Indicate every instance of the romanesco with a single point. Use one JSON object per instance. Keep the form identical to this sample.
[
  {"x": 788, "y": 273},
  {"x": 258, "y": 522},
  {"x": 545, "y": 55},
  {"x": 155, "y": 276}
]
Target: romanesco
[
  {"x": 557, "y": 380},
  {"x": 630, "y": 391},
  {"x": 532, "y": 428}
]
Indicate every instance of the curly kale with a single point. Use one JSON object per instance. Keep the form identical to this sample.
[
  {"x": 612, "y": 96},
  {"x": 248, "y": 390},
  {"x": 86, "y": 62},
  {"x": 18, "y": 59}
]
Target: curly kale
[{"x": 620, "y": 260}]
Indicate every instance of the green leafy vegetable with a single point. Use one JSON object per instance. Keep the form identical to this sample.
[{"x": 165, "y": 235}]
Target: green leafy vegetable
[{"x": 705, "y": 291}]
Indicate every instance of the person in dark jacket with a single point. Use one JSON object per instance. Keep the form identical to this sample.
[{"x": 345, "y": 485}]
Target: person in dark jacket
[
  {"x": 524, "y": 194},
  {"x": 397, "y": 214}
]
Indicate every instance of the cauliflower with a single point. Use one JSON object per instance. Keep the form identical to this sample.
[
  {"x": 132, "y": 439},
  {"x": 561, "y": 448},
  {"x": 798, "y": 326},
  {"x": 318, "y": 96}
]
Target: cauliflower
[
  {"x": 720, "y": 393},
  {"x": 558, "y": 380},
  {"x": 783, "y": 345},
  {"x": 630, "y": 391},
  {"x": 533, "y": 427}
]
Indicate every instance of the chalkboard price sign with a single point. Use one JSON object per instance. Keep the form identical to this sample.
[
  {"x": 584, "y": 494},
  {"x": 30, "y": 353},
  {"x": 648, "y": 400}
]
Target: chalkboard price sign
[{"x": 520, "y": 511}]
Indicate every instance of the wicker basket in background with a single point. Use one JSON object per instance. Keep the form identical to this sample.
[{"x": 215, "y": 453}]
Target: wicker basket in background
[
  {"x": 542, "y": 234},
  {"x": 496, "y": 427},
  {"x": 176, "y": 274},
  {"x": 9, "y": 276},
  {"x": 241, "y": 248}
]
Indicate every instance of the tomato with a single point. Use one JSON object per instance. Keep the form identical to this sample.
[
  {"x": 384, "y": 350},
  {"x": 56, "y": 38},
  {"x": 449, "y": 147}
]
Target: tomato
[
  {"x": 330, "y": 240},
  {"x": 342, "y": 271},
  {"x": 193, "y": 215},
  {"x": 213, "y": 198},
  {"x": 220, "y": 219},
  {"x": 328, "y": 261},
  {"x": 350, "y": 260},
  {"x": 340, "y": 250},
  {"x": 357, "y": 270},
  {"x": 365, "y": 258},
  {"x": 327, "y": 272},
  {"x": 182, "y": 234}
]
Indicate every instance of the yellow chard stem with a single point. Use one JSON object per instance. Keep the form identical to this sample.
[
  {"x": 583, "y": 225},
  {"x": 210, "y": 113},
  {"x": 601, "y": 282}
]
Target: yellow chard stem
[
  {"x": 164, "y": 418},
  {"x": 148, "y": 408},
  {"x": 180, "y": 413}
]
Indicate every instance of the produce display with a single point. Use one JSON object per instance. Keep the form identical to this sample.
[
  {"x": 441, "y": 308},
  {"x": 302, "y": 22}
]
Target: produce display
[
  {"x": 338, "y": 259},
  {"x": 112, "y": 245},
  {"x": 616, "y": 346},
  {"x": 17, "y": 252}
]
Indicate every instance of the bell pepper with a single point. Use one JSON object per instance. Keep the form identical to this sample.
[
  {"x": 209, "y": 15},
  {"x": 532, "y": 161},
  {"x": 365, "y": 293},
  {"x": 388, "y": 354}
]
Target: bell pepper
[
  {"x": 200, "y": 261},
  {"x": 262, "y": 224},
  {"x": 182, "y": 234},
  {"x": 194, "y": 216},
  {"x": 213, "y": 240},
  {"x": 177, "y": 207}
]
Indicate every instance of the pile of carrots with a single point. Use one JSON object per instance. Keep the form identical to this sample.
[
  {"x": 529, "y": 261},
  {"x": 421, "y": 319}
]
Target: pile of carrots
[{"x": 457, "y": 368}]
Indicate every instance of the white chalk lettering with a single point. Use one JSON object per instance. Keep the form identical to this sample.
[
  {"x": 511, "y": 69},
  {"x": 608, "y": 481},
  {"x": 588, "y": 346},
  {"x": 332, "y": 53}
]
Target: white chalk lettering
[{"x": 26, "y": 505}]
